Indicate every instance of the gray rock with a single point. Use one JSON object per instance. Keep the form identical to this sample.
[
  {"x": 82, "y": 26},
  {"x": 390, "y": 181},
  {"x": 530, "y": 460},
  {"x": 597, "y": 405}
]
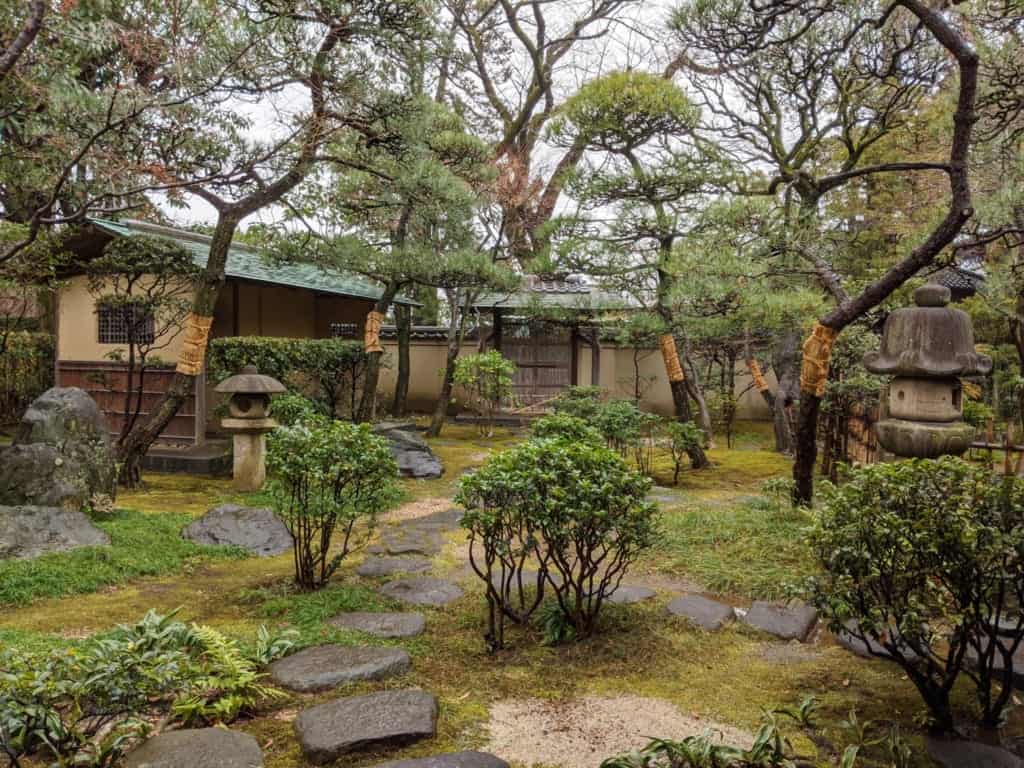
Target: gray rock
[
  {"x": 871, "y": 649},
  {"x": 197, "y": 748},
  {"x": 451, "y": 760},
  {"x": 381, "y": 624},
  {"x": 61, "y": 455},
  {"x": 790, "y": 622},
  {"x": 28, "y": 531},
  {"x": 411, "y": 452},
  {"x": 627, "y": 594},
  {"x": 389, "y": 566},
  {"x": 422, "y": 590},
  {"x": 954, "y": 753},
  {"x": 253, "y": 528},
  {"x": 388, "y": 718},
  {"x": 326, "y": 666},
  {"x": 408, "y": 540},
  {"x": 446, "y": 520},
  {"x": 998, "y": 664},
  {"x": 706, "y": 614}
]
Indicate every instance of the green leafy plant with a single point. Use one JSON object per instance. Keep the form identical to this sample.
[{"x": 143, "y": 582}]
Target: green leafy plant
[
  {"x": 923, "y": 562},
  {"x": 558, "y": 627},
  {"x": 26, "y": 369},
  {"x": 681, "y": 438},
  {"x": 487, "y": 378},
  {"x": 291, "y": 408},
  {"x": 325, "y": 478},
  {"x": 582, "y": 402},
  {"x": 563, "y": 426},
  {"x": 621, "y": 424},
  {"x": 328, "y": 371},
  {"x": 573, "y": 510},
  {"x": 779, "y": 491},
  {"x": 86, "y": 705}
]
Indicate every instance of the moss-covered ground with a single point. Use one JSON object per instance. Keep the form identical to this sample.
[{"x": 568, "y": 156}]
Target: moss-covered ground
[{"x": 719, "y": 532}]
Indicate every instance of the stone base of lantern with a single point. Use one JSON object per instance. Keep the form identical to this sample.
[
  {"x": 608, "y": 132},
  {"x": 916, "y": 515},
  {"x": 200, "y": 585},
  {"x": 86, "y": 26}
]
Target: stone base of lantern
[
  {"x": 250, "y": 449},
  {"x": 924, "y": 440}
]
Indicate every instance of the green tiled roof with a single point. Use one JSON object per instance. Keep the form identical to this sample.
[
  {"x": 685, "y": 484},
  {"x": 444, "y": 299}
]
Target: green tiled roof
[
  {"x": 539, "y": 293},
  {"x": 248, "y": 263}
]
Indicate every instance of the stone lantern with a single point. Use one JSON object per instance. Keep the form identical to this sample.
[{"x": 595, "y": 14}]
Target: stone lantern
[
  {"x": 249, "y": 406},
  {"x": 926, "y": 349}
]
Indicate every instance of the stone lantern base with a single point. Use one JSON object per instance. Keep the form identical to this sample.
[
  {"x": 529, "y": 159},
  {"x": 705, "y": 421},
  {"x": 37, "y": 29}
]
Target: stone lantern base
[
  {"x": 925, "y": 440},
  {"x": 250, "y": 449}
]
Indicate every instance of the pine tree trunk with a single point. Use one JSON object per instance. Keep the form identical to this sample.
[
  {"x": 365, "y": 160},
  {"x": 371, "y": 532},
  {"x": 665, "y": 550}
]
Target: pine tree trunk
[
  {"x": 786, "y": 364},
  {"x": 456, "y": 333},
  {"x": 403, "y": 319},
  {"x": 143, "y": 435},
  {"x": 368, "y": 402}
]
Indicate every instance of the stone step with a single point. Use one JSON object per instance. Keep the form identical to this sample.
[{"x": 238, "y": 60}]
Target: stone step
[
  {"x": 385, "y": 719},
  {"x": 705, "y": 613},
  {"x": 627, "y": 594},
  {"x": 197, "y": 748},
  {"x": 388, "y": 566},
  {"x": 327, "y": 666},
  {"x": 381, "y": 624},
  {"x": 789, "y": 622},
  {"x": 423, "y": 590}
]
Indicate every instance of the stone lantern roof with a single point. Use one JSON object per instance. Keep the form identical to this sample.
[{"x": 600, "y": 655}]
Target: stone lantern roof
[
  {"x": 250, "y": 382},
  {"x": 930, "y": 340}
]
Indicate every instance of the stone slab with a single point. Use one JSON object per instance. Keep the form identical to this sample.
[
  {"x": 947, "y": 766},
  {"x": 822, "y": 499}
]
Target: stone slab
[
  {"x": 389, "y": 566},
  {"x": 627, "y": 594},
  {"x": 411, "y": 451},
  {"x": 408, "y": 540},
  {"x": 450, "y": 760},
  {"x": 388, "y": 718},
  {"x": 381, "y": 624},
  {"x": 789, "y": 622},
  {"x": 255, "y": 529},
  {"x": 29, "y": 531},
  {"x": 705, "y": 613},
  {"x": 953, "y": 753},
  {"x": 197, "y": 748},
  {"x": 326, "y": 666},
  {"x": 868, "y": 650},
  {"x": 422, "y": 590}
]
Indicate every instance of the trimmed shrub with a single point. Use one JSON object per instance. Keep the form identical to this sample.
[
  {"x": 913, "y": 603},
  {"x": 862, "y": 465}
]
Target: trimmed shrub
[
  {"x": 582, "y": 402},
  {"x": 329, "y": 371},
  {"x": 292, "y": 408},
  {"x": 573, "y": 510},
  {"x": 90, "y": 704},
  {"x": 487, "y": 378},
  {"x": 620, "y": 422},
  {"x": 924, "y": 561},
  {"x": 328, "y": 477},
  {"x": 562, "y": 426}
]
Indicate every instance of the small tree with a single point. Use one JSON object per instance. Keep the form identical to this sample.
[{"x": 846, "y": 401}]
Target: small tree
[
  {"x": 924, "y": 564},
  {"x": 566, "y": 427},
  {"x": 487, "y": 377},
  {"x": 144, "y": 286},
  {"x": 327, "y": 477},
  {"x": 681, "y": 436},
  {"x": 572, "y": 507}
]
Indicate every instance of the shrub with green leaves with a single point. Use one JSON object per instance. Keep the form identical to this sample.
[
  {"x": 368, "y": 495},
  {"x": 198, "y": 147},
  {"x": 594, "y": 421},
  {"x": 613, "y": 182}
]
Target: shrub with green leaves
[
  {"x": 562, "y": 426},
  {"x": 682, "y": 438},
  {"x": 87, "y": 705},
  {"x": 620, "y": 422},
  {"x": 328, "y": 477},
  {"x": 923, "y": 561},
  {"x": 582, "y": 402},
  {"x": 329, "y": 371},
  {"x": 574, "y": 511},
  {"x": 292, "y": 408},
  {"x": 487, "y": 378}
]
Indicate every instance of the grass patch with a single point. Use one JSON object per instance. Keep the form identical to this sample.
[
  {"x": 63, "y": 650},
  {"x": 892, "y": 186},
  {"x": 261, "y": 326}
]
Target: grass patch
[
  {"x": 141, "y": 545},
  {"x": 744, "y": 548}
]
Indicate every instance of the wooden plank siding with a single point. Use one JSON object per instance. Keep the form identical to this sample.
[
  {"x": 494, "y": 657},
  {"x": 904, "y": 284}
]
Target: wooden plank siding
[{"x": 106, "y": 382}]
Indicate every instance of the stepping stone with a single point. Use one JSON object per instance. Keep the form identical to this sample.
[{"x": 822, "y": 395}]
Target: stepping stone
[
  {"x": 197, "y": 748},
  {"x": 628, "y": 594},
  {"x": 790, "y": 622},
  {"x": 451, "y": 760},
  {"x": 326, "y": 666},
  {"x": 408, "y": 541},
  {"x": 256, "y": 529},
  {"x": 446, "y": 520},
  {"x": 389, "y": 718},
  {"x": 381, "y": 624},
  {"x": 422, "y": 590},
  {"x": 664, "y": 495},
  {"x": 954, "y": 753},
  {"x": 389, "y": 566},
  {"x": 867, "y": 649},
  {"x": 706, "y": 614}
]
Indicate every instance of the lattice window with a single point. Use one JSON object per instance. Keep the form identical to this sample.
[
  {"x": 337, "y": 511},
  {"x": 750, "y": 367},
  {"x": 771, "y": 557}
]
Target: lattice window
[
  {"x": 124, "y": 324},
  {"x": 345, "y": 330}
]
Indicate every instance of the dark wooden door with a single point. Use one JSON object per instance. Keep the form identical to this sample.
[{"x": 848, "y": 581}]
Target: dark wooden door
[{"x": 543, "y": 358}]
